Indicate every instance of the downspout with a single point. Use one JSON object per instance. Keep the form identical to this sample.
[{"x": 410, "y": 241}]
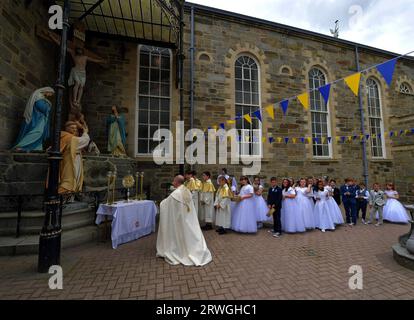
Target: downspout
[
  {"x": 362, "y": 116},
  {"x": 181, "y": 71},
  {"x": 192, "y": 49}
]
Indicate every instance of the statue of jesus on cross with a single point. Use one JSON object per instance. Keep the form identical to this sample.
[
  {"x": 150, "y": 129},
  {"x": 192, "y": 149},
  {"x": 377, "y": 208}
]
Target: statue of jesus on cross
[{"x": 77, "y": 78}]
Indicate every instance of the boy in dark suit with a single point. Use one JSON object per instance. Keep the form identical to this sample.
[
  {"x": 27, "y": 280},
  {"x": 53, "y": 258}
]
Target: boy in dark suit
[
  {"x": 274, "y": 201},
  {"x": 348, "y": 194}
]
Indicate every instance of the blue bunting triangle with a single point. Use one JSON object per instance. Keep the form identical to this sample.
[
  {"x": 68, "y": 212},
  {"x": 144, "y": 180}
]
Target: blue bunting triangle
[
  {"x": 343, "y": 139},
  {"x": 284, "y": 105},
  {"x": 302, "y": 140},
  {"x": 222, "y": 126},
  {"x": 325, "y": 91},
  {"x": 286, "y": 140},
  {"x": 387, "y": 70},
  {"x": 367, "y": 136},
  {"x": 258, "y": 115},
  {"x": 329, "y": 139},
  {"x": 271, "y": 139}
]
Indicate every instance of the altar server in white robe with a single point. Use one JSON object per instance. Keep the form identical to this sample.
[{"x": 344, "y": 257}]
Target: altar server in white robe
[
  {"x": 222, "y": 205},
  {"x": 206, "y": 210},
  {"x": 180, "y": 240},
  {"x": 194, "y": 185}
]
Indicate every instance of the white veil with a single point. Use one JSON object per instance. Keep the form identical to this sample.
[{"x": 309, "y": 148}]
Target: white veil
[{"x": 36, "y": 96}]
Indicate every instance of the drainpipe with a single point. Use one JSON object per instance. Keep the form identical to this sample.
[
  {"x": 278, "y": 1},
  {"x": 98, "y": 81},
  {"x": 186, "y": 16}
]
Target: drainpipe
[
  {"x": 181, "y": 71},
  {"x": 361, "y": 111},
  {"x": 192, "y": 49}
]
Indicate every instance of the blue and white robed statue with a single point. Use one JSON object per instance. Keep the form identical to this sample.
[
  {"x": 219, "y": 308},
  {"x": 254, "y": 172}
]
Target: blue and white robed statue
[
  {"x": 35, "y": 129},
  {"x": 116, "y": 133}
]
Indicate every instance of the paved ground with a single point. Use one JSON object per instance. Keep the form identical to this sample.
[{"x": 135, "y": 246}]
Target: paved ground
[{"x": 308, "y": 266}]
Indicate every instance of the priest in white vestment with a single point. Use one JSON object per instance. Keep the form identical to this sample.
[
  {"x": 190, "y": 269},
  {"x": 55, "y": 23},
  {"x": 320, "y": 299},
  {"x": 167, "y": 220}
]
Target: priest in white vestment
[{"x": 180, "y": 240}]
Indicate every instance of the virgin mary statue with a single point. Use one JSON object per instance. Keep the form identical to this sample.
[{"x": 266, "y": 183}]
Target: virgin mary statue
[
  {"x": 116, "y": 133},
  {"x": 35, "y": 129}
]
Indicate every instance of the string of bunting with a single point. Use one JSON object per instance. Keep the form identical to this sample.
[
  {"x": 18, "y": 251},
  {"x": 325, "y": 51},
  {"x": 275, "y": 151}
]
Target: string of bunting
[
  {"x": 386, "y": 69},
  {"x": 322, "y": 139}
]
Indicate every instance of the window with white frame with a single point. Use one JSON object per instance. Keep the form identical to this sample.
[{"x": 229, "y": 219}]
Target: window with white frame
[
  {"x": 319, "y": 115},
  {"x": 247, "y": 77},
  {"x": 375, "y": 119},
  {"x": 406, "y": 88},
  {"x": 154, "y": 96}
]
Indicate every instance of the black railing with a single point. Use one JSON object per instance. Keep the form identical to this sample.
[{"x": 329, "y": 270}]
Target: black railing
[{"x": 97, "y": 196}]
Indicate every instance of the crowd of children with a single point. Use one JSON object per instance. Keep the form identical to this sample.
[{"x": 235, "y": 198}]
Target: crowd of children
[{"x": 295, "y": 207}]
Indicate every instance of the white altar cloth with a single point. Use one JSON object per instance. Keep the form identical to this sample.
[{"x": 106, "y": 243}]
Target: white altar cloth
[{"x": 130, "y": 221}]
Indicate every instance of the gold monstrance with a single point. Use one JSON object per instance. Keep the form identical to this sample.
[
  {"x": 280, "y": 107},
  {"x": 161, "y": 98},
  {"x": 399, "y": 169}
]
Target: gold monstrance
[{"x": 128, "y": 182}]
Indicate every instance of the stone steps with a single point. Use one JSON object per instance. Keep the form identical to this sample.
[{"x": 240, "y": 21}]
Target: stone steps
[
  {"x": 29, "y": 244},
  {"x": 32, "y": 221}
]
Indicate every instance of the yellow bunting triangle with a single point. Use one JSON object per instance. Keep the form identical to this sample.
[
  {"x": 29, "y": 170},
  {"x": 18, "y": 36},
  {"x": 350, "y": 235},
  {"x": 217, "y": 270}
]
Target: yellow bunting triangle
[
  {"x": 353, "y": 82},
  {"x": 309, "y": 140},
  {"x": 294, "y": 140},
  {"x": 247, "y": 118},
  {"x": 323, "y": 140},
  {"x": 304, "y": 100},
  {"x": 338, "y": 139},
  {"x": 279, "y": 139},
  {"x": 264, "y": 139},
  {"x": 271, "y": 112},
  {"x": 231, "y": 121}
]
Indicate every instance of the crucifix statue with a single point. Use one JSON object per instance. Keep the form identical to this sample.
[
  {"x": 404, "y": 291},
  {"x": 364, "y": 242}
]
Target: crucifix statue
[{"x": 80, "y": 57}]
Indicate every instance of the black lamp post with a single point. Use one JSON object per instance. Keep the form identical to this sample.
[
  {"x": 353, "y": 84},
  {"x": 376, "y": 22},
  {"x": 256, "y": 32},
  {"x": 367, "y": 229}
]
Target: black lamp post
[{"x": 50, "y": 236}]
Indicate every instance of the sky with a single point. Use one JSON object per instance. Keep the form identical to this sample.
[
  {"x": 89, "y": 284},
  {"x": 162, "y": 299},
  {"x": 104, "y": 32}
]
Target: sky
[{"x": 384, "y": 24}]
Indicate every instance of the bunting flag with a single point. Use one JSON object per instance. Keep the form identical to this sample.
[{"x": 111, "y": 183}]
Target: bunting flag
[
  {"x": 338, "y": 139},
  {"x": 286, "y": 140},
  {"x": 367, "y": 136},
  {"x": 279, "y": 140},
  {"x": 304, "y": 100},
  {"x": 271, "y": 139},
  {"x": 230, "y": 122},
  {"x": 323, "y": 140},
  {"x": 309, "y": 140},
  {"x": 284, "y": 105},
  {"x": 391, "y": 134},
  {"x": 387, "y": 70},
  {"x": 353, "y": 82},
  {"x": 302, "y": 140},
  {"x": 271, "y": 112},
  {"x": 343, "y": 139},
  {"x": 263, "y": 139},
  {"x": 248, "y": 118},
  {"x": 329, "y": 139},
  {"x": 325, "y": 92},
  {"x": 294, "y": 140},
  {"x": 258, "y": 115},
  {"x": 222, "y": 126}
]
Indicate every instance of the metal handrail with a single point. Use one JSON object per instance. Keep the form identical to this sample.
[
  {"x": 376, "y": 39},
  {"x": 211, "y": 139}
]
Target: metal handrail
[{"x": 22, "y": 198}]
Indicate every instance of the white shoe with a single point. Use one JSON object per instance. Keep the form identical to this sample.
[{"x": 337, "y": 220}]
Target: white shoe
[
  {"x": 323, "y": 230},
  {"x": 276, "y": 235},
  {"x": 363, "y": 221},
  {"x": 378, "y": 224}
]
